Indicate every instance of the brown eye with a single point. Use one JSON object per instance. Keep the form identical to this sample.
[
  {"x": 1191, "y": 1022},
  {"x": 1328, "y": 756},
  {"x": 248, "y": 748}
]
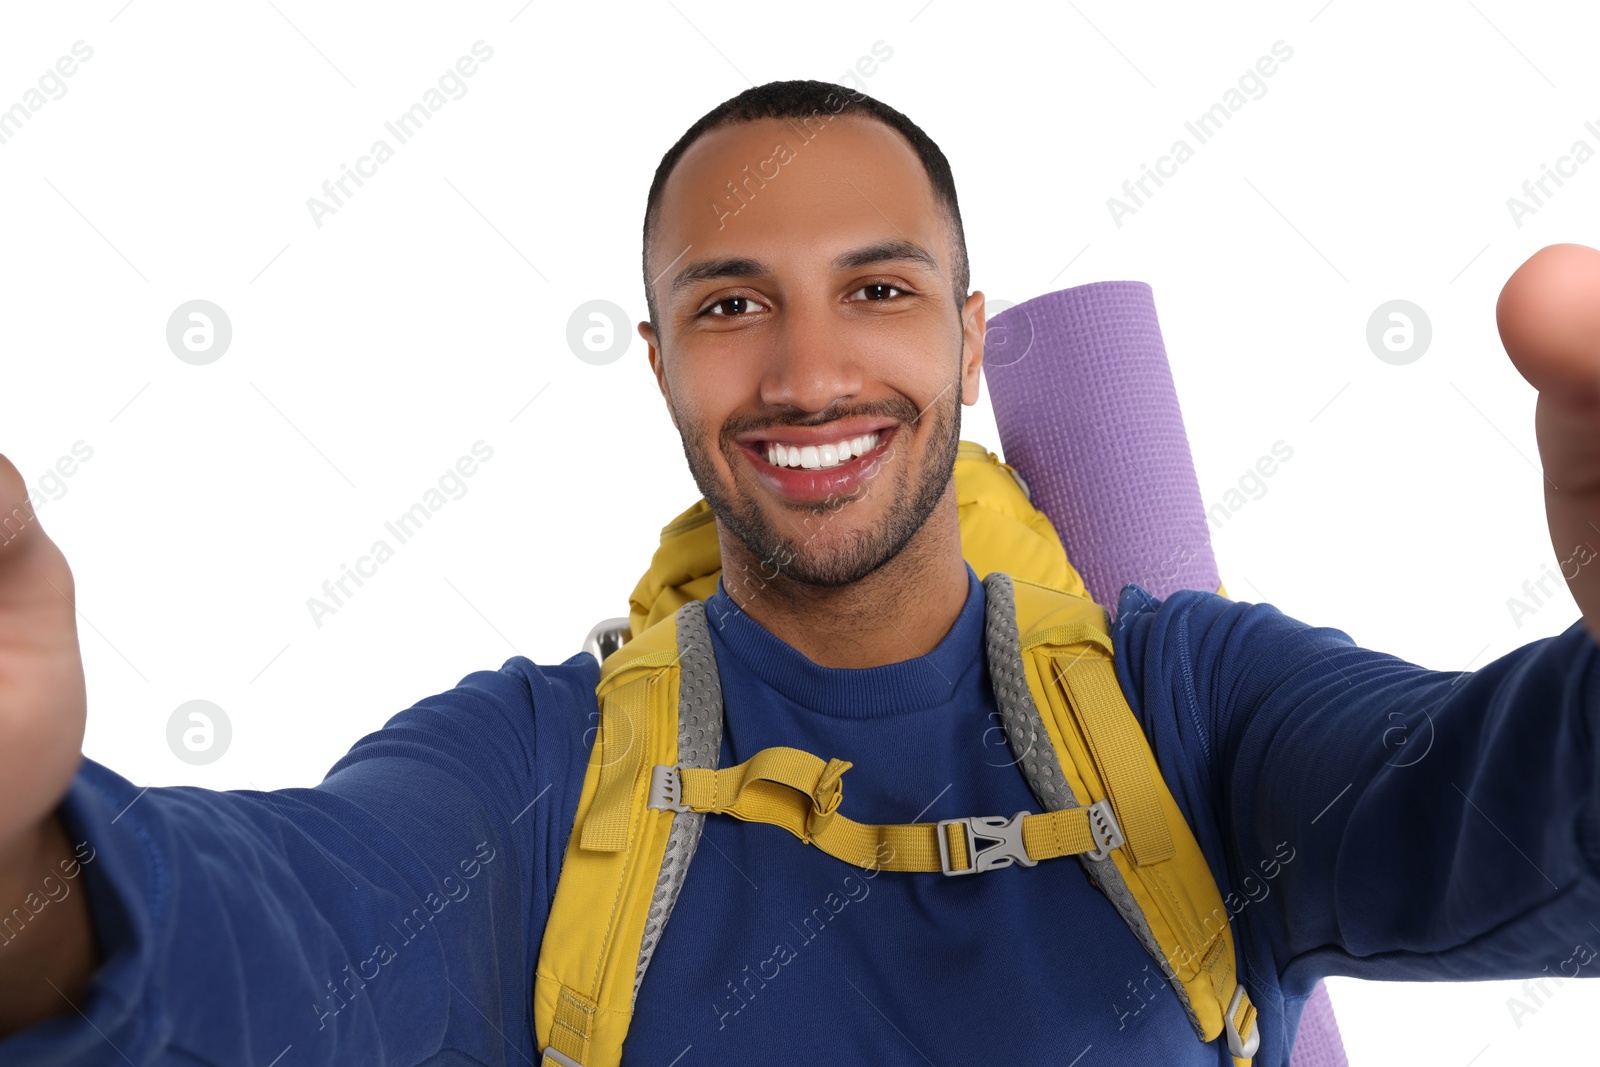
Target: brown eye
[
  {"x": 744, "y": 303},
  {"x": 879, "y": 286}
]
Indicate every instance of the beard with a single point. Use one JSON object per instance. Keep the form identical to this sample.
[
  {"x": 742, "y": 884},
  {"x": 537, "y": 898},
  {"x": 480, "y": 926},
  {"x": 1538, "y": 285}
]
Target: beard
[{"x": 791, "y": 547}]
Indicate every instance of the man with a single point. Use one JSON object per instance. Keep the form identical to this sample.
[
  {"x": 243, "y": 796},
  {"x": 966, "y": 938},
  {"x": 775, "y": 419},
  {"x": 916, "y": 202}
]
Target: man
[{"x": 812, "y": 335}]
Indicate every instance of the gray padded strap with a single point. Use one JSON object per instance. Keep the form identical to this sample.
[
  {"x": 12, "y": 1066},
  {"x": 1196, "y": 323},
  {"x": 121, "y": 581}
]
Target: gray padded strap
[
  {"x": 1036, "y": 755},
  {"x": 699, "y": 745}
]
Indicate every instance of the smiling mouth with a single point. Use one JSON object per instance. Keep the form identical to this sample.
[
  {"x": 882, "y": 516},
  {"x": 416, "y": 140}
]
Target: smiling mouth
[
  {"x": 813, "y": 473},
  {"x": 820, "y": 457}
]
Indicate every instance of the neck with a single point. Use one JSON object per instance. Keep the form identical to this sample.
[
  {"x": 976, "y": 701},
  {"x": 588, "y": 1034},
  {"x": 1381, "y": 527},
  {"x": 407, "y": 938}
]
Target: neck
[{"x": 900, "y": 611}]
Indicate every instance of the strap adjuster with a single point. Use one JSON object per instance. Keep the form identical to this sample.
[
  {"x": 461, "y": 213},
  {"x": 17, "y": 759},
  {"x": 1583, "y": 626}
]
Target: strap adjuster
[
  {"x": 1105, "y": 830},
  {"x": 1006, "y": 833},
  {"x": 666, "y": 788},
  {"x": 552, "y": 1056},
  {"x": 1237, "y": 1045}
]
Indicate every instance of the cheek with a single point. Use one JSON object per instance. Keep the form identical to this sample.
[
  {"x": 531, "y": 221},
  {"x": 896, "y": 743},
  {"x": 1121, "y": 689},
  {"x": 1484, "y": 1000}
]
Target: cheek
[{"x": 705, "y": 395}]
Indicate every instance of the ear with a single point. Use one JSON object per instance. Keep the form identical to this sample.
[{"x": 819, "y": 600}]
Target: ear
[
  {"x": 973, "y": 326},
  {"x": 658, "y": 366}
]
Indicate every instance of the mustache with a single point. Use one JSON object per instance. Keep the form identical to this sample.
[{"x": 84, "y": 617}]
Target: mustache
[{"x": 900, "y": 410}]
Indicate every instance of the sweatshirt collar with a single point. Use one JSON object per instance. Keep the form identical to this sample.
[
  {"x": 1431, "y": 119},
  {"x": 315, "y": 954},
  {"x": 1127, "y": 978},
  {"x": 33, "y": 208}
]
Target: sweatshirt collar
[{"x": 924, "y": 681}]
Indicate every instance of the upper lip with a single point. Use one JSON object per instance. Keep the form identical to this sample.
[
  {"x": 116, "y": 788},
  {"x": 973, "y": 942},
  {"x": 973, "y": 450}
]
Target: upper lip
[{"x": 828, "y": 434}]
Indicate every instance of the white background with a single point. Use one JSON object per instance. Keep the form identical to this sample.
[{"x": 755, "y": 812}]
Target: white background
[{"x": 368, "y": 354}]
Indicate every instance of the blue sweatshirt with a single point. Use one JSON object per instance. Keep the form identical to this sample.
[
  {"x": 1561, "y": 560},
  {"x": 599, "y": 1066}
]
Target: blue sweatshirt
[{"x": 1363, "y": 816}]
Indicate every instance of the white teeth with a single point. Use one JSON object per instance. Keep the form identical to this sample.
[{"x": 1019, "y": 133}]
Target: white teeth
[{"x": 820, "y": 457}]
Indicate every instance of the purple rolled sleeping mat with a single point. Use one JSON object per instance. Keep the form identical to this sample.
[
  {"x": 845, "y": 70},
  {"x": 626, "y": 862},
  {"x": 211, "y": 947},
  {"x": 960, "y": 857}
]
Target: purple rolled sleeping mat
[{"x": 1088, "y": 414}]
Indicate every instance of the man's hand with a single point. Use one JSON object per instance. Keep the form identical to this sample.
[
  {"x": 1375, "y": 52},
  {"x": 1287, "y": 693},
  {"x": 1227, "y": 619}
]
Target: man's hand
[
  {"x": 42, "y": 700},
  {"x": 1549, "y": 319}
]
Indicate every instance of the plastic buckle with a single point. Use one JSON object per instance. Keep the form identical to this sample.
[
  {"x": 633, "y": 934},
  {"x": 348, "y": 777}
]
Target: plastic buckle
[
  {"x": 1237, "y": 1045},
  {"x": 552, "y": 1056},
  {"x": 1105, "y": 830},
  {"x": 666, "y": 788},
  {"x": 1007, "y": 833}
]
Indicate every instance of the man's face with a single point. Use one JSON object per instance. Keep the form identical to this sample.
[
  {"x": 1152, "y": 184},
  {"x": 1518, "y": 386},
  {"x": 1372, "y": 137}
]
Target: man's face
[{"x": 798, "y": 343}]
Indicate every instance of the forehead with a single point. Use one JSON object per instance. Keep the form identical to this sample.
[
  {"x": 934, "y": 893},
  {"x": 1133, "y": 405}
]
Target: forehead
[{"x": 763, "y": 189}]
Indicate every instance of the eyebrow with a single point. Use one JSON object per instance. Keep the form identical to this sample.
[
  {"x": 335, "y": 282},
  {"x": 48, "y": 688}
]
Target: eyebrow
[{"x": 886, "y": 251}]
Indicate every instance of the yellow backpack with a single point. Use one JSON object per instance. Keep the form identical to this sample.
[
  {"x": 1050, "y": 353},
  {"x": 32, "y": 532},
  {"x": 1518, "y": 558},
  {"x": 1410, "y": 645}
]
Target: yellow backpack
[{"x": 652, "y": 779}]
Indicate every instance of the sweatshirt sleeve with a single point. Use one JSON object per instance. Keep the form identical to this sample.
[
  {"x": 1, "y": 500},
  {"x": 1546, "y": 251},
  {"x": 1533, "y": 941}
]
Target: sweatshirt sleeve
[
  {"x": 379, "y": 917},
  {"x": 1378, "y": 819}
]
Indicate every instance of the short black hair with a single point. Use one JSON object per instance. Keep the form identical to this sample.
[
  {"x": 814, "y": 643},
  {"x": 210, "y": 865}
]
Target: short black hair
[{"x": 803, "y": 99}]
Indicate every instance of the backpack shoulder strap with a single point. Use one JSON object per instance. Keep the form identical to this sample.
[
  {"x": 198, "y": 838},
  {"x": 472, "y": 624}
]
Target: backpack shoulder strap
[
  {"x": 1077, "y": 742},
  {"x": 660, "y": 703}
]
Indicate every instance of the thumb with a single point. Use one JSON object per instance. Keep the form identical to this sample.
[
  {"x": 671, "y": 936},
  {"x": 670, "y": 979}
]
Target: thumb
[
  {"x": 1549, "y": 320},
  {"x": 37, "y": 596},
  {"x": 17, "y": 515}
]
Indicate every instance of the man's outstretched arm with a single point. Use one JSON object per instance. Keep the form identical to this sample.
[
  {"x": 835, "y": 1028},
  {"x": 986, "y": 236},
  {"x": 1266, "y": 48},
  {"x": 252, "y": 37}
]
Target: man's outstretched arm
[
  {"x": 1374, "y": 818},
  {"x": 1456, "y": 831},
  {"x": 381, "y": 916},
  {"x": 1446, "y": 825},
  {"x": 1379, "y": 819}
]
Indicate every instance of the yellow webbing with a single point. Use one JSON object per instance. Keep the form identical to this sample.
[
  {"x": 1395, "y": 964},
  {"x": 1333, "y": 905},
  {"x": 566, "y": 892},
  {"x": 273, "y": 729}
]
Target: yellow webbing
[
  {"x": 573, "y": 1026},
  {"x": 1244, "y": 1021},
  {"x": 1116, "y": 744},
  {"x": 621, "y": 726},
  {"x": 791, "y": 788}
]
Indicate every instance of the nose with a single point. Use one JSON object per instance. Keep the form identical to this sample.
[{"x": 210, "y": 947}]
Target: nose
[{"x": 812, "y": 363}]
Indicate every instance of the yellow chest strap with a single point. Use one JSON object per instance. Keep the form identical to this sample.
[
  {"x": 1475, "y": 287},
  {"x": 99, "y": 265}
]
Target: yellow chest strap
[{"x": 791, "y": 788}]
